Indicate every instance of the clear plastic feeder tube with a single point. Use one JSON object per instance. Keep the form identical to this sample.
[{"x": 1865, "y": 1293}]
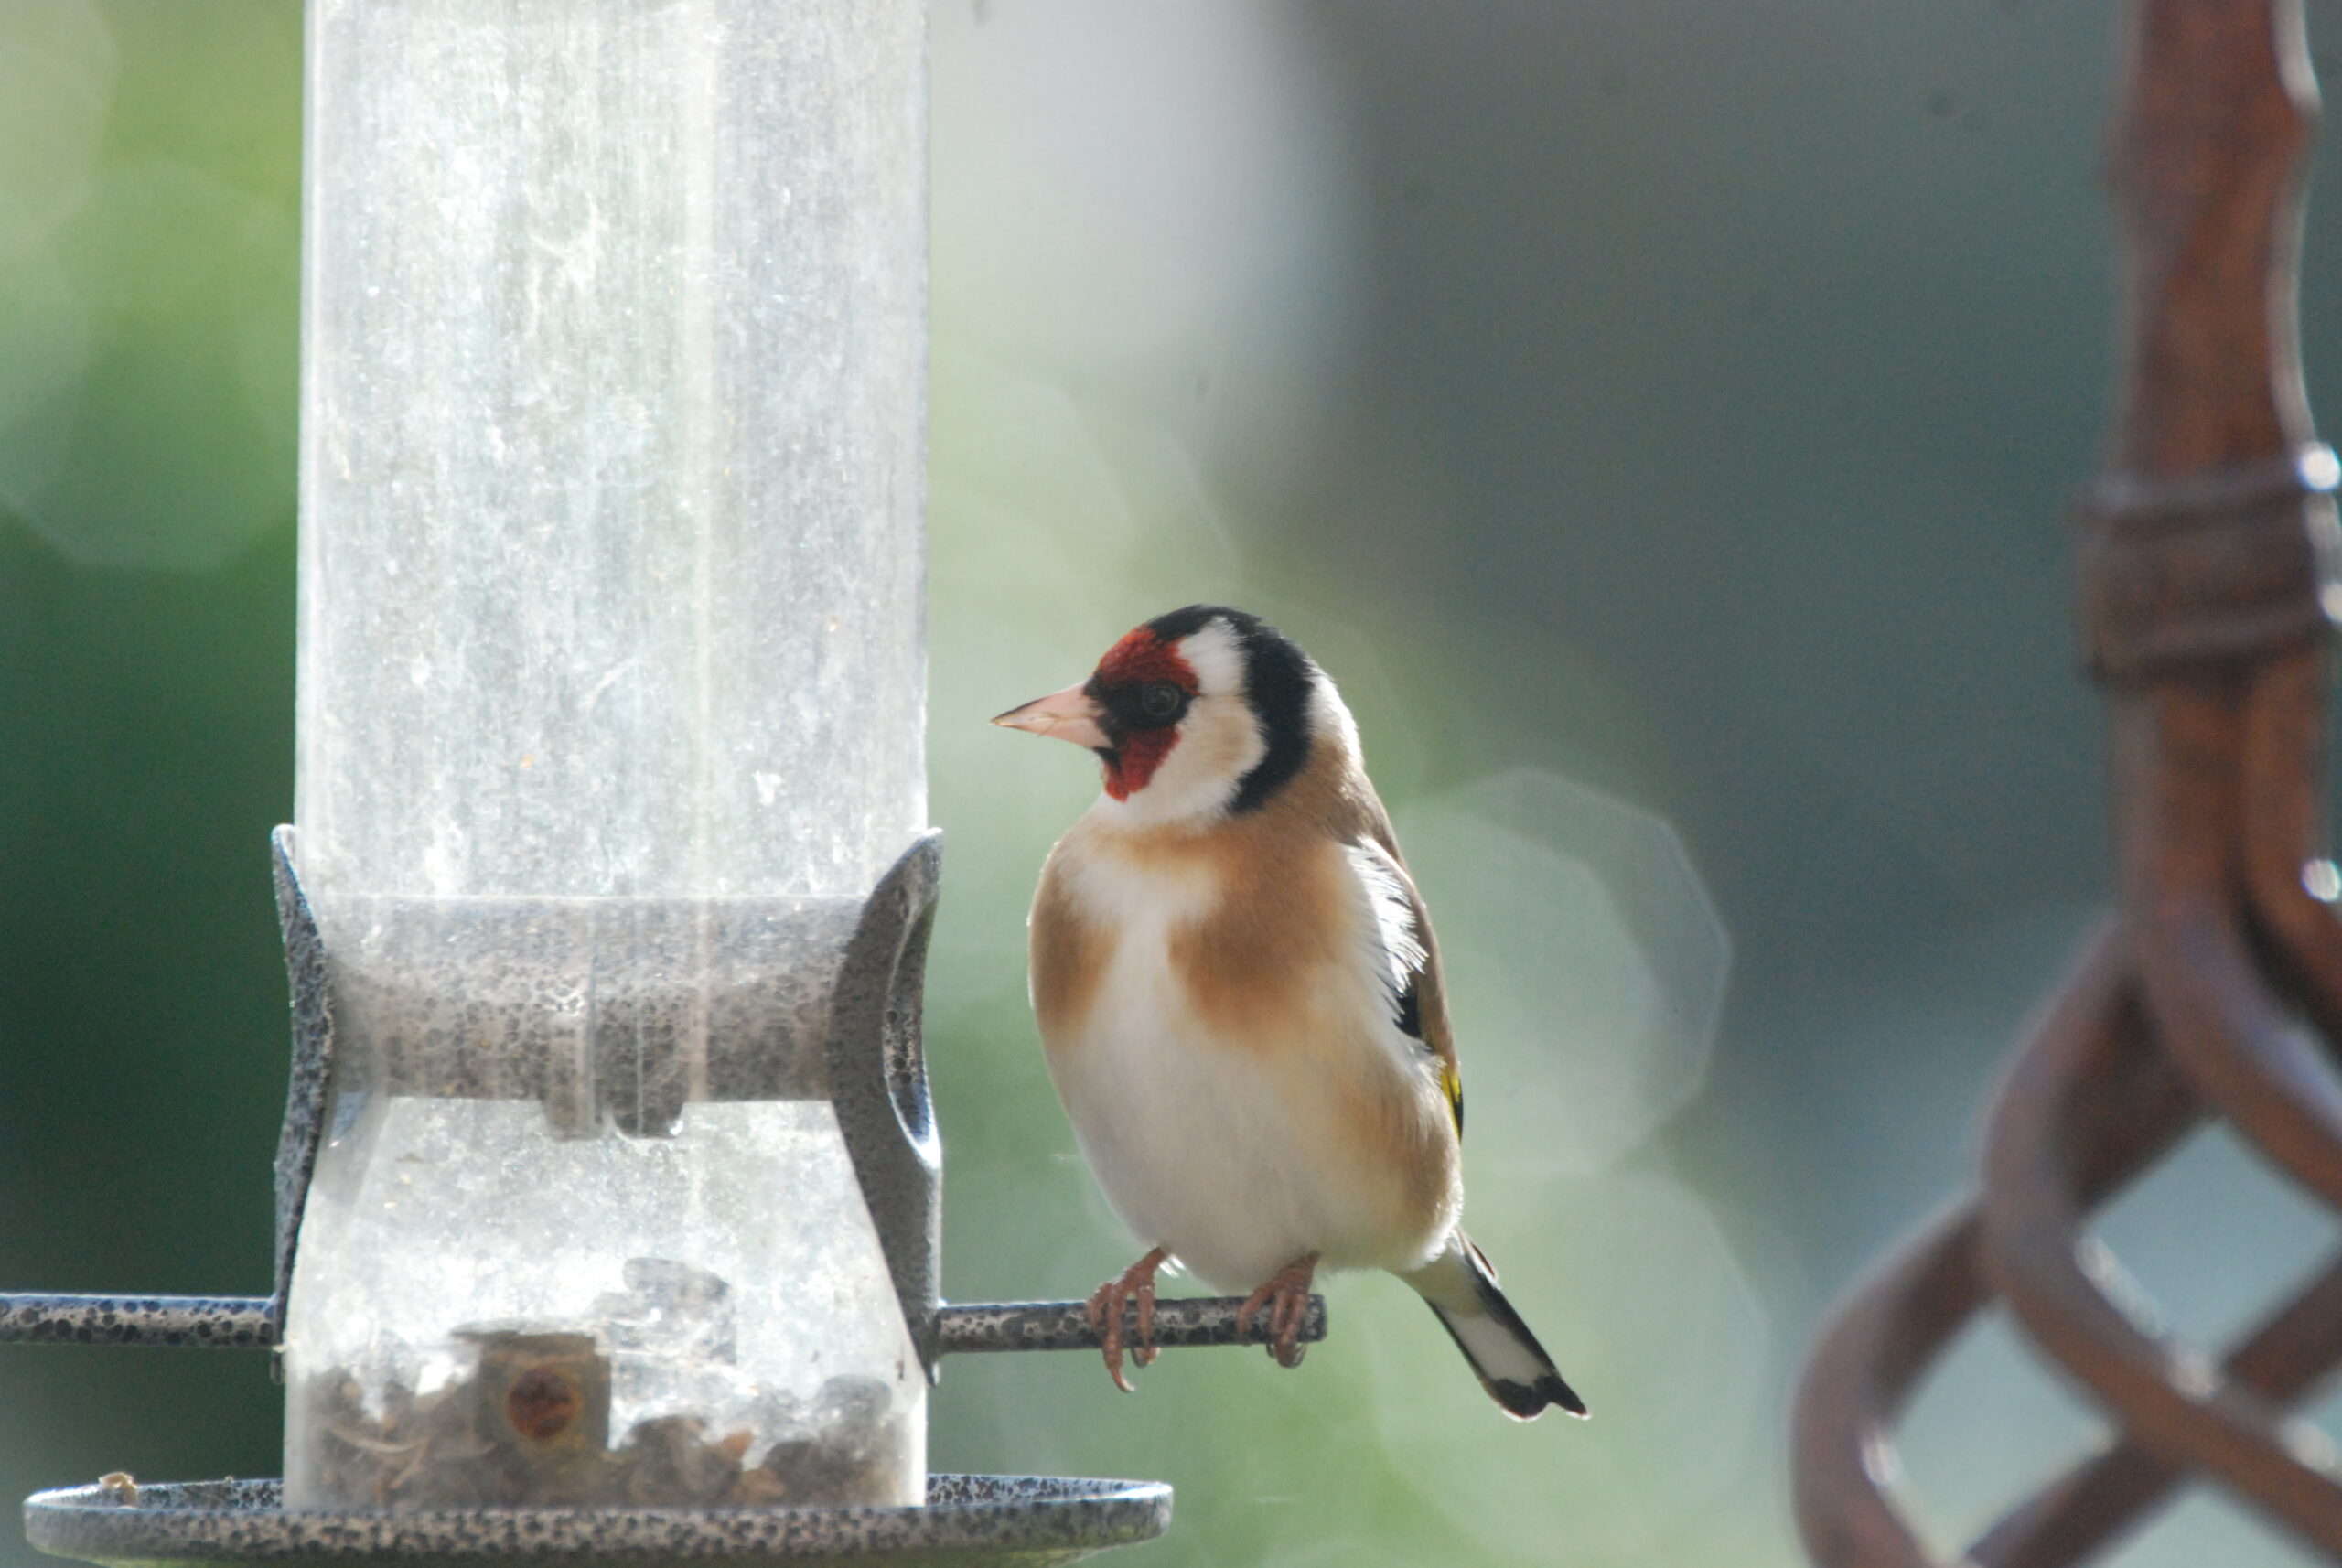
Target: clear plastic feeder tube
[
  {"x": 612, "y": 446},
  {"x": 611, "y": 696}
]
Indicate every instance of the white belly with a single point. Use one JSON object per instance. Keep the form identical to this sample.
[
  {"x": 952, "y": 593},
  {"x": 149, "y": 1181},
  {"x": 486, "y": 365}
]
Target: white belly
[{"x": 1239, "y": 1162}]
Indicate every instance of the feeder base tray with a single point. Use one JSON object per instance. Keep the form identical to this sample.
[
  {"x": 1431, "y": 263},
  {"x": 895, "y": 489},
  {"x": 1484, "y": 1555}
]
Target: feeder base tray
[{"x": 970, "y": 1521}]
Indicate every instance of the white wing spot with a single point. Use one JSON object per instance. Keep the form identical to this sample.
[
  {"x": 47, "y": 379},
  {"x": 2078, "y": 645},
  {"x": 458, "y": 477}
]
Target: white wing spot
[{"x": 1397, "y": 952}]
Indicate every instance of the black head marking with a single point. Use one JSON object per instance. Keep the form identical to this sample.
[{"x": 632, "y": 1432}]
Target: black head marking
[
  {"x": 1276, "y": 688},
  {"x": 1129, "y": 707}
]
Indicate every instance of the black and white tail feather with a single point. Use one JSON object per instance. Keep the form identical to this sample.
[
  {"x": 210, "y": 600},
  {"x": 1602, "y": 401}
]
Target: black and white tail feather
[{"x": 1461, "y": 1288}]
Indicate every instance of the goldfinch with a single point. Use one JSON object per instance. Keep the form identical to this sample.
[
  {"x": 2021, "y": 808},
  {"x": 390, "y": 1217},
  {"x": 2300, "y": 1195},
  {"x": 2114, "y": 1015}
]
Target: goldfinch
[{"x": 1241, "y": 1001}]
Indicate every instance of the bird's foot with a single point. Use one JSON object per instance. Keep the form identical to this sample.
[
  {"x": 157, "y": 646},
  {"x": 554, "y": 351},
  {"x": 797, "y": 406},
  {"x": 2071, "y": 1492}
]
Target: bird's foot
[
  {"x": 1286, "y": 1296},
  {"x": 1105, "y": 1312}
]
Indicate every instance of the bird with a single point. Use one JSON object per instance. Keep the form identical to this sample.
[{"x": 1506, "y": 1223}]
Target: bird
[{"x": 1240, "y": 997}]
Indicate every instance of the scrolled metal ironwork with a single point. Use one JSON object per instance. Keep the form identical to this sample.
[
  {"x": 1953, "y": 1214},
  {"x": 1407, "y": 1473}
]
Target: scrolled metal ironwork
[{"x": 2208, "y": 555}]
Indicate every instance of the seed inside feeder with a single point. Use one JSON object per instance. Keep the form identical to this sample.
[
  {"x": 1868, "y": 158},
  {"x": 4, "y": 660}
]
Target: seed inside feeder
[
  {"x": 529, "y": 1424},
  {"x": 495, "y": 1317}
]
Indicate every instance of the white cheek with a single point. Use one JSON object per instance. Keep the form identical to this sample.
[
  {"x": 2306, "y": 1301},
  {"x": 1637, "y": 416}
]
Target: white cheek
[
  {"x": 1196, "y": 781},
  {"x": 1221, "y": 744}
]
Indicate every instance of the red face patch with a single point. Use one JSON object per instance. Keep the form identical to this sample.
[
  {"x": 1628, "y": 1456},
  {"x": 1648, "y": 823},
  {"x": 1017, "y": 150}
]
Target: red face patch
[
  {"x": 1138, "y": 659},
  {"x": 1142, "y": 655},
  {"x": 1135, "y": 760}
]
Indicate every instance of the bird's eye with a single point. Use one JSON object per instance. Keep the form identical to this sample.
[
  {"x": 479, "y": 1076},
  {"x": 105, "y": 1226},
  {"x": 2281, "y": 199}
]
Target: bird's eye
[{"x": 1158, "y": 699}]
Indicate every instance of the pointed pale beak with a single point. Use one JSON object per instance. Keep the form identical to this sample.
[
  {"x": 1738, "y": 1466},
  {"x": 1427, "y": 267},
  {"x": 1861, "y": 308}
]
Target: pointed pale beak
[{"x": 1070, "y": 715}]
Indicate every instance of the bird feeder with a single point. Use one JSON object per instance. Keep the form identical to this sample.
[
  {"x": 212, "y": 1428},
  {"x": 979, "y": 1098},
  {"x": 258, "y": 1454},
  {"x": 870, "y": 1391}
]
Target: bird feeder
[{"x": 608, "y": 1195}]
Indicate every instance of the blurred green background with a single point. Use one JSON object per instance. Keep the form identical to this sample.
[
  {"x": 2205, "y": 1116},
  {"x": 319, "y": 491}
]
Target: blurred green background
[{"x": 1655, "y": 414}]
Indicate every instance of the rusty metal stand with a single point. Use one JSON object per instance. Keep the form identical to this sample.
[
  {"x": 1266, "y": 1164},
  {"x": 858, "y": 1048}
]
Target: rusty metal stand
[{"x": 2207, "y": 553}]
